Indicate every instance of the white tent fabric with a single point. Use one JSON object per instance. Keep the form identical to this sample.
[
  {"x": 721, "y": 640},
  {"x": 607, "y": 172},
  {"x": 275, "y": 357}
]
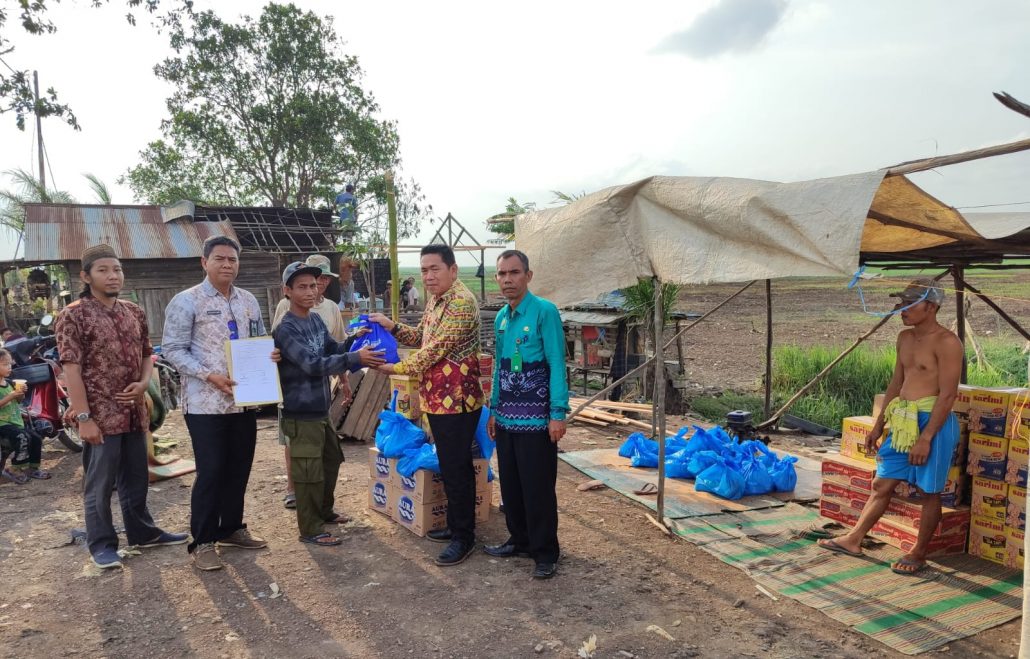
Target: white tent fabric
[{"x": 692, "y": 230}]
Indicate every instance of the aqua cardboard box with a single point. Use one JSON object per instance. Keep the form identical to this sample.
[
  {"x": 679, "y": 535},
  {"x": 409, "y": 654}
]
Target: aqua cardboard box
[
  {"x": 1014, "y": 547},
  {"x": 987, "y": 456},
  {"x": 379, "y": 497},
  {"x": 989, "y": 498},
  {"x": 988, "y": 410},
  {"x": 421, "y": 518},
  {"x": 987, "y": 539},
  {"x": 380, "y": 467},
  {"x": 425, "y": 486},
  {"x": 1016, "y": 462},
  {"x": 1015, "y": 515}
]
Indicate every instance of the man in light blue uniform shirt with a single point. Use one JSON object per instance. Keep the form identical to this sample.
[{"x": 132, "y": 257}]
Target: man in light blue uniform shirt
[{"x": 529, "y": 402}]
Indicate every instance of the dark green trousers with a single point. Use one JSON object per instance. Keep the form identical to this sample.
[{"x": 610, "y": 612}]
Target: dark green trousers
[{"x": 315, "y": 458}]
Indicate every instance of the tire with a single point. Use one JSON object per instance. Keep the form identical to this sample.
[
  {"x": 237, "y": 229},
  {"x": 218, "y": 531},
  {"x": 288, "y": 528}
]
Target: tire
[{"x": 69, "y": 437}]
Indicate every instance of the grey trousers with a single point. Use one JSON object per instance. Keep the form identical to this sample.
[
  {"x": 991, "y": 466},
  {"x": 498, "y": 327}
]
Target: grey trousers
[{"x": 121, "y": 460}]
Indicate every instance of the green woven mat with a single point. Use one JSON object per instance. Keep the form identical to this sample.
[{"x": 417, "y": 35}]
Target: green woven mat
[{"x": 958, "y": 596}]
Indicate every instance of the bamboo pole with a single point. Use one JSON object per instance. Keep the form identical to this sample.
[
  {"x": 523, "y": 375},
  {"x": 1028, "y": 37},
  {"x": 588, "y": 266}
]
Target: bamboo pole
[
  {"x": 647, "y": 362},
  {"x": 659, "y": 392},
  {"x": 768, "y": 346},
  {"x": 913, "y": 166},
  {"x": 960, "y": 315},
  {"x": 395, "y": 273}
]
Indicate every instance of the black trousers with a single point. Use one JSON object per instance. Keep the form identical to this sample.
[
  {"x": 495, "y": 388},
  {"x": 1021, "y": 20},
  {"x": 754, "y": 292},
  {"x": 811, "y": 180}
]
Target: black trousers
[
  {"x": 223, "y": 447},
  {"x": 453, "y": 435},
  {"x": 528, "y": 463}
]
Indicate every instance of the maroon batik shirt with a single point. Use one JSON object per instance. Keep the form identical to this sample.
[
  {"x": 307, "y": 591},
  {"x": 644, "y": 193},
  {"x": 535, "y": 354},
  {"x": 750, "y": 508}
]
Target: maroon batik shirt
[{"x": 109, "y": 345}]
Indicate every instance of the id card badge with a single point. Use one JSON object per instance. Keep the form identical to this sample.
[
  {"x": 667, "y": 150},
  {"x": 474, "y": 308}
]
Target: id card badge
[
  {"x": 516, "y": 362},
  {"x": 253, "y": 328}
]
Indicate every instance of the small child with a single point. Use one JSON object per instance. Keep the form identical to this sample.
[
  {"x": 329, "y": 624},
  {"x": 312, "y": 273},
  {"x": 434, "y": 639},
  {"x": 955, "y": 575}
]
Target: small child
[{"x": 26, "y": 446}]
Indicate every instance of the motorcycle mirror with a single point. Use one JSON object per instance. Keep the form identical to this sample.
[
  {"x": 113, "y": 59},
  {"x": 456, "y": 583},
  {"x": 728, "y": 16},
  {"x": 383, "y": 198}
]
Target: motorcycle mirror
[{"x": 47, "y": 320}]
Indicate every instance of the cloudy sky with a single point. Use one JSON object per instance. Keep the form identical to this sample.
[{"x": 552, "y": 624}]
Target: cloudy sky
[{"x": 574, "y": 96}]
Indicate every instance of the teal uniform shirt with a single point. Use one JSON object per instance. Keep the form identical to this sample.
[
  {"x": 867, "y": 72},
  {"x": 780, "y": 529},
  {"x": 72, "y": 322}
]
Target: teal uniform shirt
[{"x": 530, "y": 388}]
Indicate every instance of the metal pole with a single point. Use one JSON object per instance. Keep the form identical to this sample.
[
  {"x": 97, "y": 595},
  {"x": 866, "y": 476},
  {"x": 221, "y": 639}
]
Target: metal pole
[
  {"x": 957, "y": 273},
  {"x": 391, "y": 210},
  {"x": 659, "y": 393},
  {"x": 768, "y": 347},
  {"x": 39, "y": 132},
  {"x": 482, "y": 282}
]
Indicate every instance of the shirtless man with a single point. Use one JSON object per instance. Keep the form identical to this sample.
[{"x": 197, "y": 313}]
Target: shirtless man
[{"x": 923, "y": 431}]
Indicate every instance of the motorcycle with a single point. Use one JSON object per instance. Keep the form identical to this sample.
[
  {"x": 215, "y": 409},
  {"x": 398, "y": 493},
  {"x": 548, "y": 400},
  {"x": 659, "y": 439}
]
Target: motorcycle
[{"x": 46, "y": 399}]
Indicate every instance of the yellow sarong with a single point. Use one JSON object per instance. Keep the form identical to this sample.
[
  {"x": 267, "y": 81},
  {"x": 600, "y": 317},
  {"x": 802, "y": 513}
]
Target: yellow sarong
[{"x": 902, "y": 418}]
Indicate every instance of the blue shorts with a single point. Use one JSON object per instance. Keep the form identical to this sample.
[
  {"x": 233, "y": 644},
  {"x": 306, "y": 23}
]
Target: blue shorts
[{"x": 930, "y": 477}]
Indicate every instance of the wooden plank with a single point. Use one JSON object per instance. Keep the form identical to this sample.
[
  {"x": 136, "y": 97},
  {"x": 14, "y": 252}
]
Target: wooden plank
[
  {"x": 361, "y": 396},
  {"x": 380, "y": 395},
  {"x": 593, "y": 422}
]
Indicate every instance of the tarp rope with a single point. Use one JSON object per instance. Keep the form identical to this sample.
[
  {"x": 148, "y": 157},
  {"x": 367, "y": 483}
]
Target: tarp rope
[{"x": 880, "y": 314}]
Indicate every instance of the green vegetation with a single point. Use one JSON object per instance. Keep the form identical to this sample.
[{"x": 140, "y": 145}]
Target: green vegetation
[
  {"x": 466, "y": 274},
  {"x": 849, "y": 388}
]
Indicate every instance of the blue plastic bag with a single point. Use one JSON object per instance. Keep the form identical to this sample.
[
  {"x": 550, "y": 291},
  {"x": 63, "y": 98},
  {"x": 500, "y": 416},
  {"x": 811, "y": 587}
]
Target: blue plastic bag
[
  {"x": 644, "y": 458},
  {"x": 756, "y": 478},
  {"x": 377, "y": 339},
  {"x": 784, "y": 477},
  {"x": 676, "y": 465},
  {"x": 721, "y": 480},
  {"x": 702, "y": 441},
  {"x": 486, "y": 445},
  {"x": 424, "y": 457},
  {"x": 635, "y": 441},
  {"x": 396, "y": 435},
  {"x": 700, "y": 461}
]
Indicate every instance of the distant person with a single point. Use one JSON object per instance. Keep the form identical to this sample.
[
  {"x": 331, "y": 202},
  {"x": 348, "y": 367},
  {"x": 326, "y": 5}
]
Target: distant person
[
  {"x": 309, "y": 356},
  {"x": 446, "y": 365},
  {"x": 5, "y": 334},
  {"x": 15, "y": 440},
  {"x": 405, "y": 288},
  {"x": 412, "y": 293},
  {"x": 923, "y": 430},
  {"x": 528, "y": 406},
  {"x": 105, "y": 351},
  {"x": 347, "y": 204},
  {"x": 348, "y": 300}
]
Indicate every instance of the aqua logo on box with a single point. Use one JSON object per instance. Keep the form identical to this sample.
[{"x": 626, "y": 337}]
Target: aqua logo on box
[
  {"x": 379, "y": 494},
  {"x": 382, "y": 465},
  {"x": 406, "y": 509}
]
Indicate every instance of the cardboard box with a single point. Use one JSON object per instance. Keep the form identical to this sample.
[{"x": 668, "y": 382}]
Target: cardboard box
[
  {"x": 854, "y": 431},
  {"x": 1016, "y": 462},
  {"x": 1017, "y": 425},
  {"x": 1014, "y": 547},
  {"x": 852, "y": 474},
  {"x": 895, "y": 534},
  {"x": 962, "y": 400},
  {"x": 988, "y": 409},
  {"x": 379, "y": 497},
  {"x": 987, "y": 455},
  {"x": 427, "y": 487},
  {"x": 421, "y": 518},
  {"x": 903, "y": 511},
  {"x": 1015, "y": 515},
  {"x": 987, "y": 539},
  {"x": 990, "y": 498},
  {"x": 878, "y": 404},
  {"x": 405, "y": 388},
  {"x": 379, "y": 467}
]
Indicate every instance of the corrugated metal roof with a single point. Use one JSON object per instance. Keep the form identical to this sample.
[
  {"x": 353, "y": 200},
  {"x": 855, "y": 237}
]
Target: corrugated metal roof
[
  {"x": 60, "y": 232},
  {"x": 591, "y": 318}
]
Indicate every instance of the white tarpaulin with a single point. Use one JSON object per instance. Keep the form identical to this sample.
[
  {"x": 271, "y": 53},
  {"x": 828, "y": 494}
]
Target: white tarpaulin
[{"x": 693, "y": 230}]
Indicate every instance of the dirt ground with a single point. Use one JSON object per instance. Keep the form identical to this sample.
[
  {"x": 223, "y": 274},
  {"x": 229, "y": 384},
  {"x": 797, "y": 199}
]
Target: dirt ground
[{"x": 380, "y": 595}]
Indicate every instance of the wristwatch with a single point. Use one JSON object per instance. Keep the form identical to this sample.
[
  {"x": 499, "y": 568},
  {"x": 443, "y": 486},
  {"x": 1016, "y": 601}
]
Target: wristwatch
[{"x": 82, "y": 417}]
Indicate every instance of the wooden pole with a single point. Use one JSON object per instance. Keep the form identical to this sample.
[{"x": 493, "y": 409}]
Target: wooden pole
[
  {"x": 960, "y": 314},
  {"x": 39, "y": 133},
  {"x": 913, "y": 166},
  {"x": 659, "y": 393},
  {"x": 768, "y": 346},
  {"x": 647, "y": 362},
  {"x": 395, "y": 273}
]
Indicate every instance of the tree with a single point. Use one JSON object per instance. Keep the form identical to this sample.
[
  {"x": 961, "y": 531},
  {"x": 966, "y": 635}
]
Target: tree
[
  {"x": 27, "y": 189},
  {"x": 269, "y": 110},
  {"x": 16, "y": 92}
]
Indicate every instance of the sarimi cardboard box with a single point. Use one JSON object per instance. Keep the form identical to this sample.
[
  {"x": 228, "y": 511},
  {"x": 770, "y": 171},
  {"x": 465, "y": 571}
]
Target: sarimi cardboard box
[
  {"x": 1014, "y": 547},
  {"x": 1015, "y": 515},
  {"x": 853, "y": 474},
  {"x": 990, "y": 498},
  {"x": 987, "y": 539},
  {"x": 1017, "y": 424},
  {"x": 405, "y": 388},
  {"x": 962, "y": 400},
  {"x": 987, "y": 455},
  {"x": 379, "y": 497},
  {"x": 902, "y": 511},
  {"x": 1016, "y": 464},
  {"x": 854, "y": 431},
  {"x": 988, "y": 410}
]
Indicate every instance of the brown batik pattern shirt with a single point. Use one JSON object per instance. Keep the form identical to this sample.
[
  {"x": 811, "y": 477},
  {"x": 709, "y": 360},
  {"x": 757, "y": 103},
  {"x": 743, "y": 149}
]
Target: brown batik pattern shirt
[{"x": 109, "y": 345}]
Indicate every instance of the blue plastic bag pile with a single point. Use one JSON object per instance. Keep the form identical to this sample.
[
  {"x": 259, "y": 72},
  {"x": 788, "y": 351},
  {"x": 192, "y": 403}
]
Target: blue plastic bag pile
[
  {"x": 718, "y": 463},
  {"x": 398, "y": 437}
]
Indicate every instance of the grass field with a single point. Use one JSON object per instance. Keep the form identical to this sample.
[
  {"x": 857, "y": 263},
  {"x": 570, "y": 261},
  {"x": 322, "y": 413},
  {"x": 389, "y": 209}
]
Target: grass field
[{"x": 467, "y": 276}]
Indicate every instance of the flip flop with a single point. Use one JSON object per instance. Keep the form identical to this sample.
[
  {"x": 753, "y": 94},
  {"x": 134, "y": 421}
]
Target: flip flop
[
  {"x": 290, "y": 501},
  {"x": 918, "y": 566},
  {"x": 831, "y": 545},
  {"x": 39, "y": 474},
  {"x": 647, "y": 488},
  {"x": 590, "y": 485},
  {"x": 338, "y": 518},
  {"x": 15, "y": 477},
  {"x": 322, "y": 540}
]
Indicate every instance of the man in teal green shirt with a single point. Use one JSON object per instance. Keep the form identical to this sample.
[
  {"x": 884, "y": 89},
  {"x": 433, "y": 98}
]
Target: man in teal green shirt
[{"x": 529, "y": 402}]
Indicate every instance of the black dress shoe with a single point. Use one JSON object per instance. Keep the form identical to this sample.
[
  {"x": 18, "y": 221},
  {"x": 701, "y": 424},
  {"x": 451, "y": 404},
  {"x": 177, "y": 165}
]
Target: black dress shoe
[
  {"x": 507, "y": 550},
  {"x": 439, "y": 535},
  {"x": 455, "y": 553},
  {"x": 545, "y": 570}
]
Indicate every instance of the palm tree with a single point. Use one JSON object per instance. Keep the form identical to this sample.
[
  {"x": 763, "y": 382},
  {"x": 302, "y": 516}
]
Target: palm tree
[
  {"x": 100, "y": 189},
  {"x": 26, "y": 190}
]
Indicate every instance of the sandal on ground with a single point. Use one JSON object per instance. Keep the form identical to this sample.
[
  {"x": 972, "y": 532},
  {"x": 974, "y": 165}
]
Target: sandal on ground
[
  {"x": 39, "y": 474},
  {"x": 908, "y": 566},
  {"x": 338, "y": 518},
  {"x": 832, "y": 545},
  {"x": 15, "y": 477},
  {"x": 647, "y": 488},
  {"x": 322, "y": 540},
  {"x": 290, "y": 500}
]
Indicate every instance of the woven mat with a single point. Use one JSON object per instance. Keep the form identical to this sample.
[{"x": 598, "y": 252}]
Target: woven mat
[{"x": 956, "y": 597}]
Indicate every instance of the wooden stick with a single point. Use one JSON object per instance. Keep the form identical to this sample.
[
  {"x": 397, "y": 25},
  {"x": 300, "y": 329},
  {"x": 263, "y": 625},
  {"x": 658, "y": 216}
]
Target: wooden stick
[
  {"x": 593, "y": 422},
  {"x": 939, "y": 161},
  {"x": 647, "y": 362}
]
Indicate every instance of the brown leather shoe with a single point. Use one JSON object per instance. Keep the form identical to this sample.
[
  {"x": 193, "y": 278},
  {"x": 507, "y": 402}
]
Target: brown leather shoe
[
  {"x": 243, "y": 539},
  {"x": 206, "y": 558}
]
